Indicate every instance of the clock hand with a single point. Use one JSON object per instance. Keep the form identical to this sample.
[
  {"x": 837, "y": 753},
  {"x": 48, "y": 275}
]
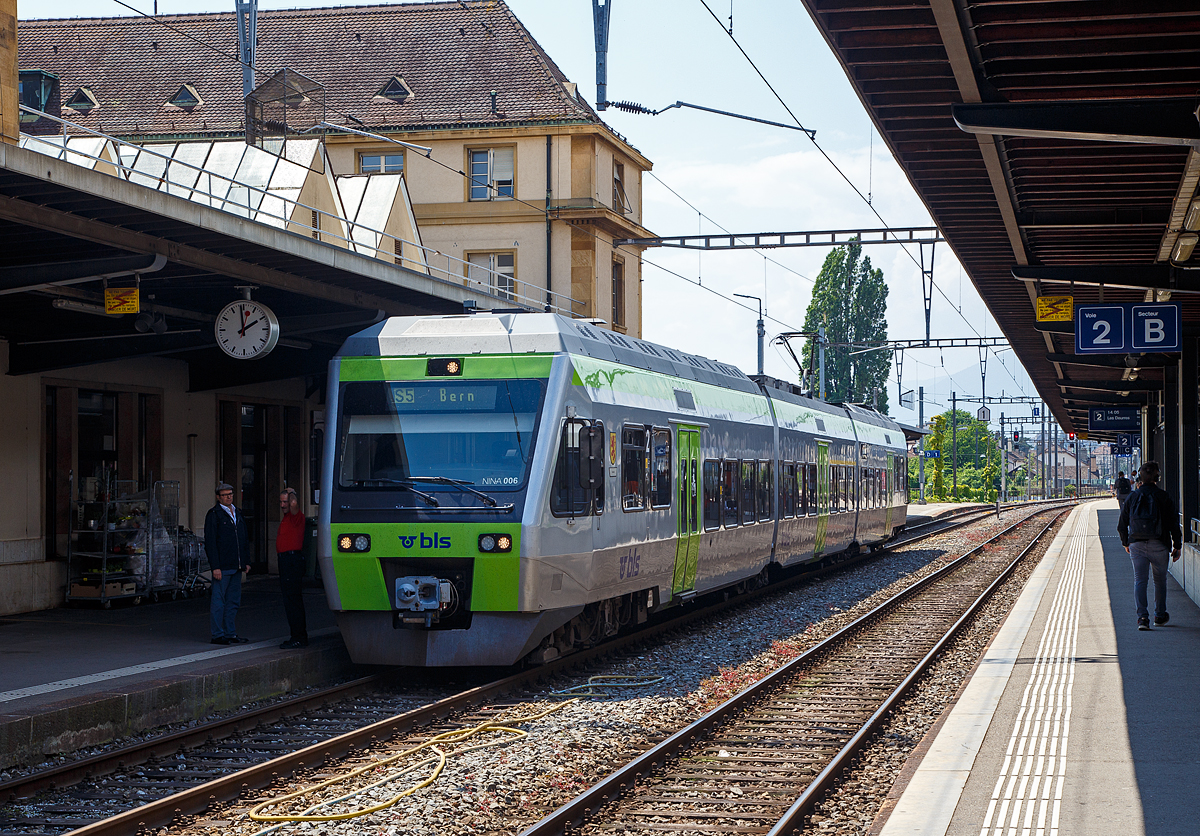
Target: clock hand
[
  {"x": 248, "y": 325},
  {"x": 245, "y": 316}
]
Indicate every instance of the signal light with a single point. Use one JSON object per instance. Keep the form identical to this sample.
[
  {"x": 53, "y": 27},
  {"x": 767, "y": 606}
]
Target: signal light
[
  {"x": 495, "y": 543},
  {"x": 443, "y": 367},
  {"x": 1070, "y": 436},
  {"x": 1016, "y": 436},
  {"x": 354, "y": 542}
]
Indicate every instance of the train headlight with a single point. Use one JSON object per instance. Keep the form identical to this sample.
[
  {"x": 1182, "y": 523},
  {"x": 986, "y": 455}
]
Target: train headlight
[
  {"x": 443, "y": 367},
  {"x": 495, "y": 543},
  {"x": 354, "y": 542}
]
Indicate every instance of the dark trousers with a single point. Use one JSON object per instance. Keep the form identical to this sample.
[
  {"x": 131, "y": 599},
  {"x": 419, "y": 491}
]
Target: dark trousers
[{"x": 291, "y": 583}]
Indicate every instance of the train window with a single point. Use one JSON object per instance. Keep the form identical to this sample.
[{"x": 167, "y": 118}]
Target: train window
[
  {"x": 712, "y": 496},
  {"x": 833, "y": 488},
  {"x": 846, "y": 499},
  {"x": 749, "y": 492},
  {"x": 802, "y": 485},
  {"x": 729, "y": 493},
  {"x": 633, "y": 468},
  {"x": 766, "y": 490},
  {"x": 810, "y": 486},
  {"x": 660, "y": 486},
  {"x": 787, "y": 490},
  {"x": 567, "y": 497}
]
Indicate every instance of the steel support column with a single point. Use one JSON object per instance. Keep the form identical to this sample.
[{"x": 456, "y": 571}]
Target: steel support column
[
  {"x": 1189, "y": 455},
  {"x": 1168, "y": 461}
]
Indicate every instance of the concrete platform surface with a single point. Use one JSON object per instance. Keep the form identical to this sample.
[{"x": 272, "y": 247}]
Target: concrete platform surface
[
  {"x": 1074, "y": 723},
  {"x": 79, "y": 676}
]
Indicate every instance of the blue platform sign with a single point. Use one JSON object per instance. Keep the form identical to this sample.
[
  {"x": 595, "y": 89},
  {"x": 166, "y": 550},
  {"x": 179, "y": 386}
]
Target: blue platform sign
[
  {"x": 1119, "y": 418},
  {"x": 1130, "y": 440},
  {"x": 933, "y": 454},
  {"x": 1135, "y": 327}
]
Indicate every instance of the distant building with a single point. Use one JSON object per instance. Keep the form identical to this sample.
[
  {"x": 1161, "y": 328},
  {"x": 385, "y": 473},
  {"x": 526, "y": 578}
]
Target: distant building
[{"x": 547, "y": 186}]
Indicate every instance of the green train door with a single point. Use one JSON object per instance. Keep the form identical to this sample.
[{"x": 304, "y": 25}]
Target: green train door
[
  {"x": 822, "y": 496},
  {"x": 687, "y": 511},
  {"x": 889, "y": 476}
]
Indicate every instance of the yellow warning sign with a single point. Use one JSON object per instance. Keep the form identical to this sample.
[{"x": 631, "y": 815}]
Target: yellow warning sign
[
  {"x": 1055, "y": 308},
  {"x": 121, "y": 300}
]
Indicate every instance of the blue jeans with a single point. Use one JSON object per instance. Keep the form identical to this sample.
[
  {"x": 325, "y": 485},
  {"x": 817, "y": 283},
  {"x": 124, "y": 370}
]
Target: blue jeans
[
  {"x": 1147, "y": 555},
  {"x": 227, "y": 597}
]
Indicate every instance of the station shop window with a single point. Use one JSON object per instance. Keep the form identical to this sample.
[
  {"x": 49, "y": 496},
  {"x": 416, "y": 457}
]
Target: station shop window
[
  {"x": 92, "y": 438},
  {"x": 712, "y": 496},
  {"x": 634, "y": 476},
  {"x": 729, "y": 493}
]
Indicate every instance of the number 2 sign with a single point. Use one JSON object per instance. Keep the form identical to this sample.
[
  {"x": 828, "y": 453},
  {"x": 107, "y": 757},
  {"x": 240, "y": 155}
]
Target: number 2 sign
[{"x": 1130, "y": 327}]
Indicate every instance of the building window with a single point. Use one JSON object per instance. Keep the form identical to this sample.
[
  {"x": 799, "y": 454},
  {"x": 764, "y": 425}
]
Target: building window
[
  {"x": 618, "y": 293},
  {"x": 495, "y": 270},
  {"x": 491, "y": 173},
  {"x": 620, "y": 201},
  {"x": 380, "y": 163}
]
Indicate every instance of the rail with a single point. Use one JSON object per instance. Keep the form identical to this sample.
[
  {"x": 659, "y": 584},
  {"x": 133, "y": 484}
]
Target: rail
[{"x": 178, "y": 177}]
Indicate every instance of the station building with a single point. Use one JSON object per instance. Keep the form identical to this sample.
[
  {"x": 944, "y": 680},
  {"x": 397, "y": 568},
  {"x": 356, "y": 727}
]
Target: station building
[{"x": 150, "y": 184}]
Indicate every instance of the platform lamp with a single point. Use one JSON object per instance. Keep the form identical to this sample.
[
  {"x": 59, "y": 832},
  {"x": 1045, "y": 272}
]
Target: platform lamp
[{"x": 762, "y": 331}]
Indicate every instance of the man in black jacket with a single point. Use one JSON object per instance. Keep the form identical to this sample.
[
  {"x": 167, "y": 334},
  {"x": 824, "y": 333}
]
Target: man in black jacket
[
  {"x": 1150, "y": 549},
  {"x": 228, "y": 548}
]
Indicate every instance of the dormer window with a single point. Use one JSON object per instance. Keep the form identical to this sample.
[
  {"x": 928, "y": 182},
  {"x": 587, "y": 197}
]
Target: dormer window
[
  {"x": 395, "y": 90},
  {"x": 83, "y": 100},
  {"x": 37, "y": 89},
  {"x": 186, "y": 98}
]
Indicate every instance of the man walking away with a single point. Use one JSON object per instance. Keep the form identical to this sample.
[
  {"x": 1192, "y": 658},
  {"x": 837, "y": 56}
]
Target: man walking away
[
  {"x": 1149, "y": 529},
  {"x": 1121, "y": 488},
  {"x": 228, "y": 548},
  {"x": 289, "y": 543}
]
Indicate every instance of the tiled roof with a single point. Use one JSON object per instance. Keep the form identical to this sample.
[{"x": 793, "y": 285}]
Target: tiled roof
[{"x": 451, "y": 55}]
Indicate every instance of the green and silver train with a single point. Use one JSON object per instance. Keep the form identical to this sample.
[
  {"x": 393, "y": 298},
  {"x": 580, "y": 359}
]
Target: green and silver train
[{"x": 508, "y": 487}]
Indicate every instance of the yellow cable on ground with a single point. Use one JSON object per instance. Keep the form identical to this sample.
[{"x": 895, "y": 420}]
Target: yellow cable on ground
[
  {"x": 612, "y": 680},
  {"x": 439, "y": 757},
  {"x": 455, "y": 736}
]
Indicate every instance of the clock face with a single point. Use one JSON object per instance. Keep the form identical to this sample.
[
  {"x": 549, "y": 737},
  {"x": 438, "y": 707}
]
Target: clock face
[{"x": 246, "y": 330}]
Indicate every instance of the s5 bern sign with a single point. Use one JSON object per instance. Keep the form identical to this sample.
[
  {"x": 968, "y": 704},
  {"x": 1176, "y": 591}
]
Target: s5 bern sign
[{"x": 1129, "y": 328}]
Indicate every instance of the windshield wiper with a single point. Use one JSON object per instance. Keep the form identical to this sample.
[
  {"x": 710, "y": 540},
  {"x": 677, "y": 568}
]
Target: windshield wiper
[
  {"x": 461, "y": 483},
  {"x": 407, "y": 485}
]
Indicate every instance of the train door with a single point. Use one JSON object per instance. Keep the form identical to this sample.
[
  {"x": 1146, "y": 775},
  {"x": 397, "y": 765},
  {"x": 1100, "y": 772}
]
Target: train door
[
  {"x": 888, "y": 478},
  {"x": 687, "y": 511},
  {"x": 822, "y": 496}
]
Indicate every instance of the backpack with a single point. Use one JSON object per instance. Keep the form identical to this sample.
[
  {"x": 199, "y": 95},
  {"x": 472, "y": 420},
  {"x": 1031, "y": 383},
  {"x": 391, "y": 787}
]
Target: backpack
[
  {"x": 1144, "y": 520},
  {"x": 1122, "y": 485}
]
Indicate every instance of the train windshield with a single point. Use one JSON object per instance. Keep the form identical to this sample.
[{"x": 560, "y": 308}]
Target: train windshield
[{"x": 429, "y": 434}]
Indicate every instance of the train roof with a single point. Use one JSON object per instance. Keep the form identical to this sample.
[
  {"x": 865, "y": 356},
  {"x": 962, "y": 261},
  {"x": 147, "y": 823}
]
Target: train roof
[{"x": 522, "y": 333}]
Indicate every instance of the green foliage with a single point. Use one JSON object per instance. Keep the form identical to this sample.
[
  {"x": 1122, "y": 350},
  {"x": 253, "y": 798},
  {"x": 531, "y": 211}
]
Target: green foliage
[
  {"x": 1069, "y": 490},
  {"x": 850, "y": 300}
]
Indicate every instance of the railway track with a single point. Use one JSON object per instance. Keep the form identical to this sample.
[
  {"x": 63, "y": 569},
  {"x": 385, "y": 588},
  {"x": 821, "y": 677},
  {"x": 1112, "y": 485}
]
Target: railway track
[
  {"x": 193, "y": 770},
  {"x": 737, "y": 769}
]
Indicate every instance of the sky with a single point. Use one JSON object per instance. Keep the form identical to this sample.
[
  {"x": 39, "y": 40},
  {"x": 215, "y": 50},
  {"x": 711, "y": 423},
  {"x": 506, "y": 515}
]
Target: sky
[{"x": 714, "y": 173}]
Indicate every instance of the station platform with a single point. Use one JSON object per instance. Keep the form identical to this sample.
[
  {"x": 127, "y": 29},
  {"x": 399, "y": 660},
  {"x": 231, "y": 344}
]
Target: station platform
[
  {"x": 921, "y": 514},
  {"x": 74, "y": 677},
  {"x": 1074, "y": 722}
]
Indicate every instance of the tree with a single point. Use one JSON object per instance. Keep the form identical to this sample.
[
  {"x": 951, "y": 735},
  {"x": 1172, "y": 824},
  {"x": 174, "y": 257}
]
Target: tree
[{"x": 850, "y": 300}]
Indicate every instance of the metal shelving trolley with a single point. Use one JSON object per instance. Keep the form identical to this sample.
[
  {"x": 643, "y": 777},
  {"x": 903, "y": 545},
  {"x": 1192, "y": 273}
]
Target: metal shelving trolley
[{"x": 123, "y": 542}]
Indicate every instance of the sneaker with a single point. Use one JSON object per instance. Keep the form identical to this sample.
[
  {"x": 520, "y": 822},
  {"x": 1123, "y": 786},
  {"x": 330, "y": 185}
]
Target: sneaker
[
  {"x": 1144, "y": 623},
  {"x": 219, "y": 640},
  {"x": 293, "y": 644},
  {"x": 1162, "y": 618},
  {"x": 237, "y": 640}
]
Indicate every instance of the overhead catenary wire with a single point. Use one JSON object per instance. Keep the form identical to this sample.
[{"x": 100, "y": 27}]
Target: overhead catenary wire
[{"x": 844, "y": 176}]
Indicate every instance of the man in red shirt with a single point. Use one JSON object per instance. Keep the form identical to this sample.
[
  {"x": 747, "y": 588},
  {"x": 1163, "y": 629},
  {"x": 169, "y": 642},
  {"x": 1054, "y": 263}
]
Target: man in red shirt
[{"x": 289, "y": 543}]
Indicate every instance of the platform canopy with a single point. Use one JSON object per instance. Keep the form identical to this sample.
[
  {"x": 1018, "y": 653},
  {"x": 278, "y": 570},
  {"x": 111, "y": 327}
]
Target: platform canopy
[{"x": 1055, "y": 145}]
